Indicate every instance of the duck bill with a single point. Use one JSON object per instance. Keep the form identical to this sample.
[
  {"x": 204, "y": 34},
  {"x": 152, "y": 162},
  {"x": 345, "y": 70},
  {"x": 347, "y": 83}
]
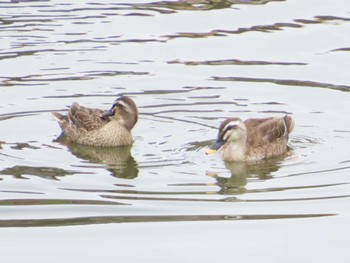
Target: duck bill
[
  {"x": 107, "y": 114},
  {"x": 216, "y": 146}
]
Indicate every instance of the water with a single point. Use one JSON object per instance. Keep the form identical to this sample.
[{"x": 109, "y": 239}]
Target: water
[{"x": 188, "y": 65}]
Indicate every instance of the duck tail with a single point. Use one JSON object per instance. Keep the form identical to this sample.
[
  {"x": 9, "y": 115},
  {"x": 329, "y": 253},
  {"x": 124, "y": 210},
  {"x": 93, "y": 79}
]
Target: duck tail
[
  {"x": 59, "y": 117},
  {"x": 289, "y": 122}
]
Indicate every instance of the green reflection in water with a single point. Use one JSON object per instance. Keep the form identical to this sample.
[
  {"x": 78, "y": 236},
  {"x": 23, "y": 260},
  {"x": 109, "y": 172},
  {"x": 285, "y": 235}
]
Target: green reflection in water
[
  {"x": 241, "y": 172},
  {"x": 225, "y": 62},
  {"x": 118, "y": 160},
  {"x": 23, "y": 202},
  {"x": 146, "y": 219},
  {"x": 286, "y": 82},
  {"x": 18, "y": 171},
  {"x": 199, "y": 4}
]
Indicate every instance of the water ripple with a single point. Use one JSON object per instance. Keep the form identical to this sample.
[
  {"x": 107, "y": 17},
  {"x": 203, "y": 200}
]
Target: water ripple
[
  {"x": 187, "y": 71},
  {"x": 226, "y": 62},
  {"x": 146, "y": 219},
  {"x": 286, "y": 82}
]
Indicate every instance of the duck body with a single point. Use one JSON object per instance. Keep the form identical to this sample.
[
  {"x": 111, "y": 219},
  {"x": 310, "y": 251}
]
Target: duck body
[
  {"x": 253, "y": 139},
  {"x": 95, "y": 127}
]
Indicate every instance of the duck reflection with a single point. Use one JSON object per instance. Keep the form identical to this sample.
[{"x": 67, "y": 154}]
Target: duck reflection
[
  {"x": 46, "y": 172},
  {"x": 242, "y": 171},
  {"x": 119, "y": 160}
]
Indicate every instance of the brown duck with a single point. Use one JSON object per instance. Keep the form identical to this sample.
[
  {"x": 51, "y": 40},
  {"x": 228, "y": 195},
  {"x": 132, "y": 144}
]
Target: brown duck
[
  {"x": 253, "y": 139},
  {"x": 100, "y": 128}
]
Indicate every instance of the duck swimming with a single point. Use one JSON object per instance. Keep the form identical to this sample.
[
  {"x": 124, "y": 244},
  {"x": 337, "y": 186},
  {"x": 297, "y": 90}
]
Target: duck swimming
[
  {"x": 253, "y": 139},
  {"x": 96, "y": 127}
]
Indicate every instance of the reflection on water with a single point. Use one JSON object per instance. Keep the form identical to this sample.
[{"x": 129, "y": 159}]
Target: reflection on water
[
  {"x": 145, "y": 219},
  {"x": 118, "y": 160},
  {"x": 286, "y": 82},
  {"x": 31, "y": 202},
  {"x": 241, "y": 172},
  {"x": 235, "y": 62},
  {"x": 189, "y": 64},
  {"x": 20, "y": 171}
]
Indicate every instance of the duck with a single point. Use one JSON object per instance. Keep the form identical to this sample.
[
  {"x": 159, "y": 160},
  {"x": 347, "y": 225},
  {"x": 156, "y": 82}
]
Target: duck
[
  {"x": 95, "y": 127},
  {"x": 252, "y": 140}
]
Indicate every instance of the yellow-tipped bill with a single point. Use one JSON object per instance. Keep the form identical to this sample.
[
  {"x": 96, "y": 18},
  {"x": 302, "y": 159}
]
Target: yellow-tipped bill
[
  {"x": 216, "y": 146},
  {"x": 210, "y": 151}
]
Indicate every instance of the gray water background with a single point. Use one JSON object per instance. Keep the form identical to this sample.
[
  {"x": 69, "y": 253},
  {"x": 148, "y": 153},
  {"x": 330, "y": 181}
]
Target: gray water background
[{"x": 188, "y": 65}]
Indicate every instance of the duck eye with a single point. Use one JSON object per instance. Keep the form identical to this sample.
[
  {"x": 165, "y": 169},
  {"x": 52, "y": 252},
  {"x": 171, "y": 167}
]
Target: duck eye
[
  {"x": 116, "y": 104},
  {"x": 225, "y": 134},
  {"x": 120, "y": 103},
  {"x": 230, "y": 127}
]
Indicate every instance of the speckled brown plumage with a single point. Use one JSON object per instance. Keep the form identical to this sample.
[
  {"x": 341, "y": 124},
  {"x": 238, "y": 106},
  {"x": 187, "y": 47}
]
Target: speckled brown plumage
[
  {"x": 253, "y": 139},
  {"x": 98, "y": 128}
]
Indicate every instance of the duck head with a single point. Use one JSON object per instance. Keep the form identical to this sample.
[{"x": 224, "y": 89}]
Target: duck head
[
  {"x": 123, "y": 110},
  {"x": 230, "y": 131}
]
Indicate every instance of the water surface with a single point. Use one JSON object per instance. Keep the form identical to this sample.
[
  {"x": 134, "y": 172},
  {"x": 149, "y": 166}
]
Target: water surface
[{"x": 188, "y": 65}]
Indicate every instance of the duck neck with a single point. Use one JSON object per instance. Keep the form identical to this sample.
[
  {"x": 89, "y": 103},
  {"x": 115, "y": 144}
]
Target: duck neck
[{"x": 236, "y": 150}]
